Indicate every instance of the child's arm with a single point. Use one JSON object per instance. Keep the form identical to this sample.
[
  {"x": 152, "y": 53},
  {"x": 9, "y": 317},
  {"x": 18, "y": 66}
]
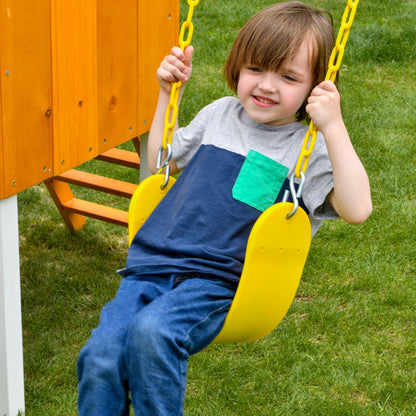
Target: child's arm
[
  {"x": 175, "y": 67},
  {"x": 351, "y": 196}
]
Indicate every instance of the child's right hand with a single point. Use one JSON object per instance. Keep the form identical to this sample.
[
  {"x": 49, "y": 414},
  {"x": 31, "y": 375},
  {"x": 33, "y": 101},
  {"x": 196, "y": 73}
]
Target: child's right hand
[{"x": 175, "y": 67}]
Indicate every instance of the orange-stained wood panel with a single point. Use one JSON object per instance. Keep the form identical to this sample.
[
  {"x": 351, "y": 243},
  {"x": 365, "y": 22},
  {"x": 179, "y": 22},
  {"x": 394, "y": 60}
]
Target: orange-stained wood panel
[
  {"x": 25, "y": 80},
  {"x": 74, "y": 80},
  {"x": 158, "y": 32},
  {"x": 117, "y": 72}
]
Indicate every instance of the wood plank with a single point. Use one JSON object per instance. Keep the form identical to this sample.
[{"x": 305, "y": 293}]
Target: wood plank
[
  {"x": 97, "y": 211},
  {"x": 117, "y": 72},
  {"x": 158, "y": 26},
  {"x": 25, "y": 79},
  {"x": 121, "y": 157},
  {"x": 97, "y": 182},
  {"x": 74, "y": 69},
  {"x": 62, "y": 195}
]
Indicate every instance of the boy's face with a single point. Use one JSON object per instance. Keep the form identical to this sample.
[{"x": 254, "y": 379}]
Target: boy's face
[{"x": 274, "y": 98}]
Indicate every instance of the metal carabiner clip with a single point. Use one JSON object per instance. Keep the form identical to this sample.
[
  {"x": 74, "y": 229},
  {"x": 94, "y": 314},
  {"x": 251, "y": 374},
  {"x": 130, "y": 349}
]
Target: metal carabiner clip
[
  {"x": 295, "y": 195},
  {"x": 161, "y": 165}
]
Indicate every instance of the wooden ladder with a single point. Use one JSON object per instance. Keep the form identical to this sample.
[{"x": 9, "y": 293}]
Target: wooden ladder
[{"x": 74, "y": 210}]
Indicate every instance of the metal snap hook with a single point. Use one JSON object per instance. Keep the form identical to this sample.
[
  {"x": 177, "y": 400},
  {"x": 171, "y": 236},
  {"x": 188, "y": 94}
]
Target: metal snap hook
[
  {"x": 161, "y": 165},
  {"x": 295, "y": 194}
]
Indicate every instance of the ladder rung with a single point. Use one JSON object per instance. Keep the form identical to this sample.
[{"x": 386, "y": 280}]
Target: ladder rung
[
  {"x": 121, "y": 157},
  {"x": 97, "y": 211},
  {"x": 98, "y": 183}
]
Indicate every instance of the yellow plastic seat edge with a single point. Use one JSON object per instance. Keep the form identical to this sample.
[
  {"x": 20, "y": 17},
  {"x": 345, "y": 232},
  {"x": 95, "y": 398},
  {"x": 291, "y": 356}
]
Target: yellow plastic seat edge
[
  {"x": 145, "y": 199},
  {"x": 275, "y": 257}
]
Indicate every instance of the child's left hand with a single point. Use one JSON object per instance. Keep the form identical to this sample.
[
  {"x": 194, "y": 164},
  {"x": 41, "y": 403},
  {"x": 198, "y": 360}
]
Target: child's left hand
[{"x": 324, "y": 106}]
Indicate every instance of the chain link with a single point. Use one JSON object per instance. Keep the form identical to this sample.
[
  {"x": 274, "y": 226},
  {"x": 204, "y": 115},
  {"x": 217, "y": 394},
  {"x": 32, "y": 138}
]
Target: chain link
[
  {"x": 171, "y": 115},
  {"x": 333, "y": 67}
]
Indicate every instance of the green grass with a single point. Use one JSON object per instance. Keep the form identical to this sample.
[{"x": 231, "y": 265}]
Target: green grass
[{"x": 347, "y": 345}]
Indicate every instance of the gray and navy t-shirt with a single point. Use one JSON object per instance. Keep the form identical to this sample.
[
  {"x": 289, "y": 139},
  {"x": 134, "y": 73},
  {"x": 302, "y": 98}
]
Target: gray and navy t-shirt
[{"x": 234, "y": 169}]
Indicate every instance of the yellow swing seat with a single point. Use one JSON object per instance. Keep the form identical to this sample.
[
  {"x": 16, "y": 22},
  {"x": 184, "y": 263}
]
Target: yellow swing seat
[
  {"x": 275, "y": 256},
  {"x": 145, "y": 199}
]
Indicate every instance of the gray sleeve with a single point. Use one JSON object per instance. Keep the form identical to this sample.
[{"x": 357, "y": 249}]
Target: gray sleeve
[
  {"x": 187, "y": 140},
  {"x": 318, "y": 184}
]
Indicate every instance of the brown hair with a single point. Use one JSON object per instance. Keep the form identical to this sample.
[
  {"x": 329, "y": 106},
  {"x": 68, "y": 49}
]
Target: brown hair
[{"x": 273, "y": 36}]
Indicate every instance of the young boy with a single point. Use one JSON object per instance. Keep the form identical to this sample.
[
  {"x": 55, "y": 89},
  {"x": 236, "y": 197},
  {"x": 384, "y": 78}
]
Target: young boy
[{"x": 184, "y": 264}]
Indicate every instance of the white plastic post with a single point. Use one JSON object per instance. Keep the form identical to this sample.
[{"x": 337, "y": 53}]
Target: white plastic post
[
  {"x": 12, "y": 400},
  {"x": 144, "y": 168}
]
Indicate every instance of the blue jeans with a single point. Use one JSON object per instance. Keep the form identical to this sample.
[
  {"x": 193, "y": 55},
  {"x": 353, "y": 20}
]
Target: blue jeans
[{"x": 143, "y": 341}]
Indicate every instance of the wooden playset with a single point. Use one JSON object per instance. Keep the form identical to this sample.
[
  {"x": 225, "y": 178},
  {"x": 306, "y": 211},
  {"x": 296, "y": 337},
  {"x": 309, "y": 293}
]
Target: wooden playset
[{"x": 77, "y": 79}]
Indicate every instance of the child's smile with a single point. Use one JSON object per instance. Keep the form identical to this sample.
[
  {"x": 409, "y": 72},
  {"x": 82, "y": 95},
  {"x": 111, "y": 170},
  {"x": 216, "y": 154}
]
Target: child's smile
[{"x": 263, "y": 101}]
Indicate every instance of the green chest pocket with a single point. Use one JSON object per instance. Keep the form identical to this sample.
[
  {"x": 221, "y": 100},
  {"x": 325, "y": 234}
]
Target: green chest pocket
[{"x": 259, "y": 181}]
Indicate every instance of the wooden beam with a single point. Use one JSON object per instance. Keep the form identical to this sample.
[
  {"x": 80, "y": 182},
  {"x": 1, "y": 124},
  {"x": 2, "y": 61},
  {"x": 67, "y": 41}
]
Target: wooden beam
[
  {"x": 62, "y": 195},
  {"x": 97, "y": 211},
  {"x": 121, "y": 157},
  {"x": 98, "y": 183}
]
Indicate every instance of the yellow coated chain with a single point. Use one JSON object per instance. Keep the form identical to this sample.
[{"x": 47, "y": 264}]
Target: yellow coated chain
[
  {"x": 333, "y": 67},
  {"x": 171, "y": 115}
]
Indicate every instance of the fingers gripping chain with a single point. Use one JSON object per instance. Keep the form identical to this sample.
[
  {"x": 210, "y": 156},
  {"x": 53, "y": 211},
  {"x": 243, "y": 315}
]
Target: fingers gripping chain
[
  {"x": 333, "y": 67},
  {"x": 171, "y": 115}
]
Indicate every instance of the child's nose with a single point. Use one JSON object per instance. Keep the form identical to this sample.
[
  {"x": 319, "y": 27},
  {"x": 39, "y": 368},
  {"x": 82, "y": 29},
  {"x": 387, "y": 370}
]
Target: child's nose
[{"x": 268, "y": 82}]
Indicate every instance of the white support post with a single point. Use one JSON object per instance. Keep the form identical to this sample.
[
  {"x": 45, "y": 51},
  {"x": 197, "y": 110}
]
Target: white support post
[
  {"x": 12, "y": 399},
  {"x": 144, "y": 168}
]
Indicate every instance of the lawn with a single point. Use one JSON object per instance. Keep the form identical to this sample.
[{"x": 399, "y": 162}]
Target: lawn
[{"x": 347, "y": 344}]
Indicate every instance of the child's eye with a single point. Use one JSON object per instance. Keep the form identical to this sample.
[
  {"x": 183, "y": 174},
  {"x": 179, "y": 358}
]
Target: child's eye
[
  {"x": 254, "y": 69},
  {"x": 289, "y": 78}
]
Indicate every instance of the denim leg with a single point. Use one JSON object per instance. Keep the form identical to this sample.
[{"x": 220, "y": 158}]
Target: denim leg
[
  {"x": 162, "y": 336},
  {"x": 103, "y": 386}
]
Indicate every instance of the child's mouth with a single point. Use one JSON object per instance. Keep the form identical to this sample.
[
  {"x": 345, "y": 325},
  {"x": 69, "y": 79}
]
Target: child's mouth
[{"x": 263, "y": 101}]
